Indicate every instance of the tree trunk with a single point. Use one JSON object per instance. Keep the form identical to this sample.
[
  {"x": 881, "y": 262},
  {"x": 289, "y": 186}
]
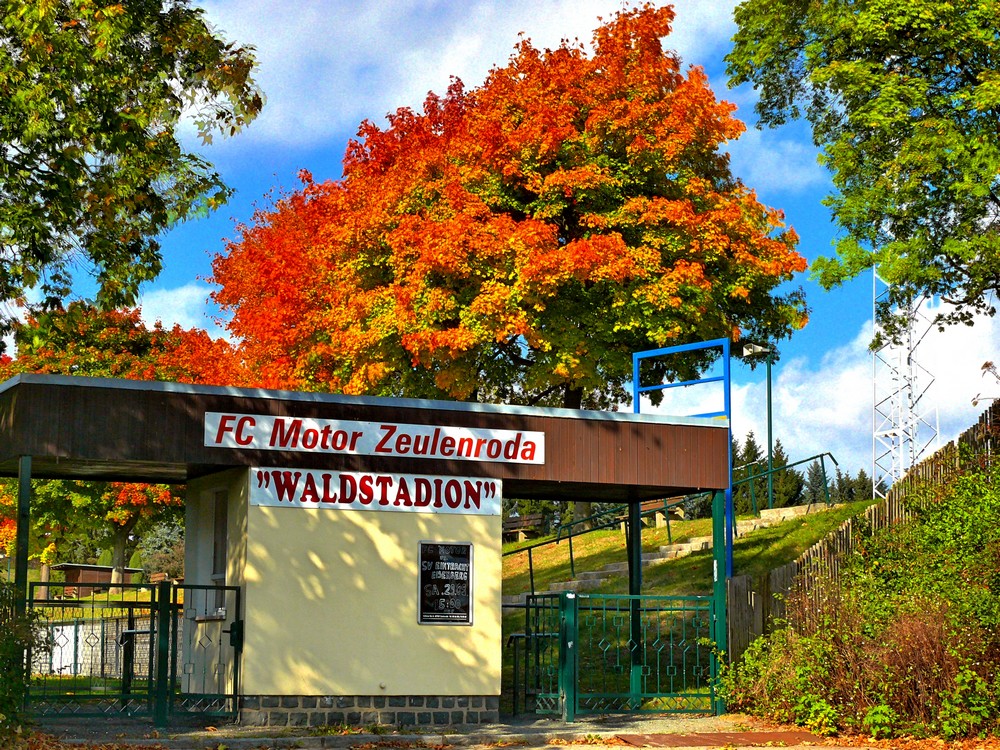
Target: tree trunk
[
  {"x": 119, "y": 553},
  {"x": 42, "y": 592},
  {"x": 573, "y": 399}
]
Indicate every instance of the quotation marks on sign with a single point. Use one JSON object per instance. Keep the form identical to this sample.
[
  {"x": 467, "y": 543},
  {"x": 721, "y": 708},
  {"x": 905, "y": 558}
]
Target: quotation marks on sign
[{"x": 380, "y": 490}]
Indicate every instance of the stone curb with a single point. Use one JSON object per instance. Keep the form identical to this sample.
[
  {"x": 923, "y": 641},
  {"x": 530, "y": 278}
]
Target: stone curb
[{"x": 308, "y": 742}]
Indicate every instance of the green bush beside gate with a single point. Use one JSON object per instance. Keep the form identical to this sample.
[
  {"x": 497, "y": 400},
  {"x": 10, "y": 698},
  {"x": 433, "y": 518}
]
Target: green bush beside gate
[
  {"x": 17, "y": 633},
  {"x": 910, "y": 640}
]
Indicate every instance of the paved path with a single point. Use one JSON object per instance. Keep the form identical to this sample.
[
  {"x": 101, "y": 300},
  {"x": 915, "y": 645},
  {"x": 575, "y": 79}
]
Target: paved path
[{"x": 730, "y": 732}]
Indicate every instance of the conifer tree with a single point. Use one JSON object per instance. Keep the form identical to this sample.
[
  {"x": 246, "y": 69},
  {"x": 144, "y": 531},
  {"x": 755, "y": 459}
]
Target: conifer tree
[{"x": 788, "y": 483}]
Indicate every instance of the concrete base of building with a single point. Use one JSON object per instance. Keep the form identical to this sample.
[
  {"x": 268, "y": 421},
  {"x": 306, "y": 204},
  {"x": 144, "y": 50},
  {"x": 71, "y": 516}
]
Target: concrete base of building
[{"x": 397, "y": 711}]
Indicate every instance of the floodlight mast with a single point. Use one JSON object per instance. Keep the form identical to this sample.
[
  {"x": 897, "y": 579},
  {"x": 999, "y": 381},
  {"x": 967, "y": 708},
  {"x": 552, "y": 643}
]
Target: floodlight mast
[{"x": 901, "y": 428}]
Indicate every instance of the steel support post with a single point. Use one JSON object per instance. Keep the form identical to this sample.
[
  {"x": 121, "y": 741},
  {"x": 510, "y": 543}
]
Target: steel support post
[
  {"x": 635, "y": 608},
  {"x": 719, "y": 580},
  {"x": 729, "y": 526},
  {"x": 770, "y": 438},
  {"x": 161, "y": 699}
]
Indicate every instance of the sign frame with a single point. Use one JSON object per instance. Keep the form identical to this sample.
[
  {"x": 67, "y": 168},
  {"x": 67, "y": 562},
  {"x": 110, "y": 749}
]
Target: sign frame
[{"x": 425, "y": 617}]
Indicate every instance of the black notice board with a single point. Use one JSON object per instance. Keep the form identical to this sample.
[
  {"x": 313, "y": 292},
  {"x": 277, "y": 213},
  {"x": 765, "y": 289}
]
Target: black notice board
[{"x": 445, "y": 596}]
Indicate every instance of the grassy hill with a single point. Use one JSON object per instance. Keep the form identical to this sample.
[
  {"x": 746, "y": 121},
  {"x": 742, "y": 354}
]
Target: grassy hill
[
  {"x": 754, "y": 554},
  {"x": 904, "y": 637}
]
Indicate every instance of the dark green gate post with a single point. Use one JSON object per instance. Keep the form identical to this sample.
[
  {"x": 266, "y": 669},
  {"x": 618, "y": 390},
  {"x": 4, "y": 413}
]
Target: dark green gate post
[
  {"x": 635, "y": 611},
  {"x": 161, "y": 695},
  {"x": 21, "y": 538},
  {"x": 719, "y": 582},
  {"x": 568, "y": 637}
]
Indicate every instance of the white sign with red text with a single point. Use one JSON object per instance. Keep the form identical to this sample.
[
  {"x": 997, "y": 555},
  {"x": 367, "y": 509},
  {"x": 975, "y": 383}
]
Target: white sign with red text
[
  {"x": 364, "y": 490},
  {"x": 266, "y": 432}
]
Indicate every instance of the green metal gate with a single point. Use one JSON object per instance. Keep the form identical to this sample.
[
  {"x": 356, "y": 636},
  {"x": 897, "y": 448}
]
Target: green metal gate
[
  {"x": 153, "y": 650},
  {"x": 596, "y": 654}
]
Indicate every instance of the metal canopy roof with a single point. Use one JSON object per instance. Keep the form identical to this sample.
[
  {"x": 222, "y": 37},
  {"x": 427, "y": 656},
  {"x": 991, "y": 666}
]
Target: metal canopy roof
[{"x": 95, "y": 428}]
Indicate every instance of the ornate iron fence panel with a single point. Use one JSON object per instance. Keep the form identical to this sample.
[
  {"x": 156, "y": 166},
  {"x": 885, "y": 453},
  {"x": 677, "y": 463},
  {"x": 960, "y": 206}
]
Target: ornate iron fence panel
[
  {"x": 606, "y": 653},
  {"x": 99, "y": 658},
  {"x": 643, "y": 653},
  {"x": 206, "y": 648},
  {"x": 541, "y": 658},
  {"x": 137, "y": 649}
]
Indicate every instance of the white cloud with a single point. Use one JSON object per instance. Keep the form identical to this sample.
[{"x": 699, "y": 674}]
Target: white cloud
[
  {"x": 955, "y": 359},
  {"x": 185, "y": 306},
  {"x": 766, "y": 161},
  {"x": 818, "y": 407},
  {"x": 326, "y": 66}
]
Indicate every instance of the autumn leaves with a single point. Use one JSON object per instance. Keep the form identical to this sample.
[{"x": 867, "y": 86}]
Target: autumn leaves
[{"x": 517, "y": 241}]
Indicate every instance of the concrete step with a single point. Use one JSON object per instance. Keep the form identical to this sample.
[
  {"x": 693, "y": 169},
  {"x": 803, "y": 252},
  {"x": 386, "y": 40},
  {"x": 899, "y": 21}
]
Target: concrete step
[
  {"x": 576, "y": 585},
  {"x": 565, "y": 586},
  {"x": 777, "y": 515},
  {"x": 750, "y": 525},
  {"x": 616, "y": 568},
  {"x": 695, "y": 544}
]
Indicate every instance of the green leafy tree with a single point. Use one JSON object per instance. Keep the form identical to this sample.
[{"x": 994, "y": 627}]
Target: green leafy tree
[
  {"x": 92, "y": 94},
  {"x": 70, "y": 517},
  {"x": 740, "y": 473},
  {"x": 842, "y": 488},
  {"x": 904, "y": 101},
  {"x": 161, "y": 549},
  {"x": 863, "y": 486}
]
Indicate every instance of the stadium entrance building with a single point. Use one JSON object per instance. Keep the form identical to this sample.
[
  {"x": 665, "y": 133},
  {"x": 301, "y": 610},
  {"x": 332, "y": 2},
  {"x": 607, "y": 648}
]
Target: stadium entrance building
[{"x": 343, "y": 555}]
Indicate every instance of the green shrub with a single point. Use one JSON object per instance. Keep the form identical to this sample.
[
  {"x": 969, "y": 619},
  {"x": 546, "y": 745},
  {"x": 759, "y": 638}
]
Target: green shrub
[
  {"x": 880, "y": 721},
  {"x": 17, "y": 633},
  {"x": 777, "y": 677}
]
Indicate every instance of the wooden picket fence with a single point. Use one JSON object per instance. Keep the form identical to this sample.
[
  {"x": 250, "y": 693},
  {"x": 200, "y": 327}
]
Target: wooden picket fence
[{"x": 753, "y": 609}]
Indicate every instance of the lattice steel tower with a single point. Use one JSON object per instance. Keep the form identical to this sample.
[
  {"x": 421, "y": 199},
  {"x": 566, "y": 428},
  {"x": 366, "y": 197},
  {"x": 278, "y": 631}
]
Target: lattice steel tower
[{"x": 901, "y": 428}]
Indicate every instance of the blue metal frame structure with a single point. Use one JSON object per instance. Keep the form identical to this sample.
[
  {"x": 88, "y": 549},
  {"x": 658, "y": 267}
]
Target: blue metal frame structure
[
  {"x": 638, "y": 389},
  {"x": 723, "y": 522}
]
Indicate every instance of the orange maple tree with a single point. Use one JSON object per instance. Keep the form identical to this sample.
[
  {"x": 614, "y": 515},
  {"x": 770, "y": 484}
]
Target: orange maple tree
[
  {"x": 84, "y": 340},
  {"x": 8, "y": 534},
  {"x": 518, "y": 241}
]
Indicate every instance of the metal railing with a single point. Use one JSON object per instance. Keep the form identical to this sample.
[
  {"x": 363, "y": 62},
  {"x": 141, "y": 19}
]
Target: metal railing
[
  {"x": 607, "y": 518},
  {"x": 749, "y": 479},
  {"x": 615, "y": 515}
]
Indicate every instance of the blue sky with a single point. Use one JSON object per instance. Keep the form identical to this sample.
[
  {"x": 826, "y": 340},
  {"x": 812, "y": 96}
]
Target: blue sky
[{"x": 326, "y": 65}]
